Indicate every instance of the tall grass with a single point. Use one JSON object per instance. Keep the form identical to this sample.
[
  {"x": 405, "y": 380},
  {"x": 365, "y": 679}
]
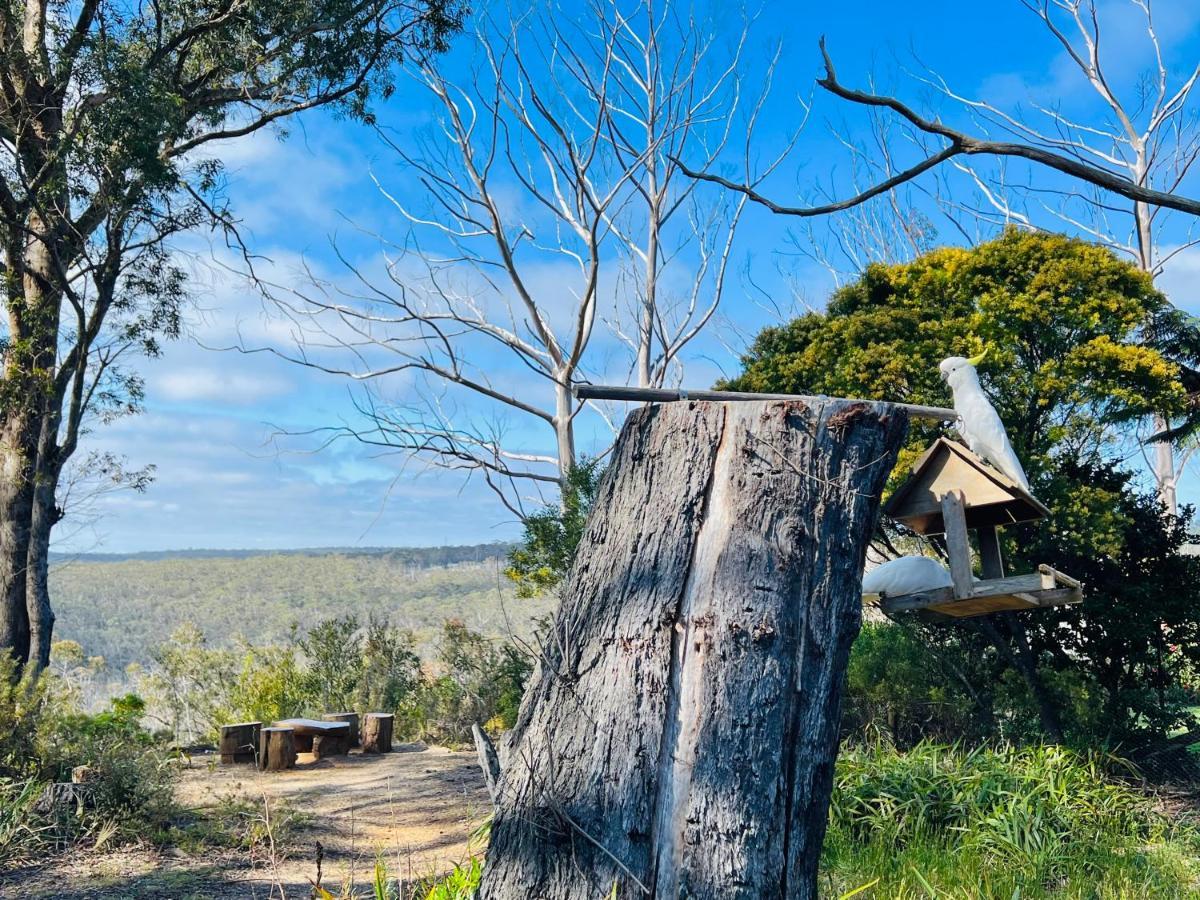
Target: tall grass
[{"x": 940, "y": 821}]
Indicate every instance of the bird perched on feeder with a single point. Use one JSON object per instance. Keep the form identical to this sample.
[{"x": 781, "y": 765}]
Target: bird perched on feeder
[
  {"x": 978, "y": 422},
  {"x": 906, "y": 575}
]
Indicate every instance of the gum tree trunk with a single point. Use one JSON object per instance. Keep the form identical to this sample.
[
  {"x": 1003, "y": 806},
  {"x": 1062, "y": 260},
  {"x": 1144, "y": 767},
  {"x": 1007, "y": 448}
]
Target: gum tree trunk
[{"x": 679, "y": 736}]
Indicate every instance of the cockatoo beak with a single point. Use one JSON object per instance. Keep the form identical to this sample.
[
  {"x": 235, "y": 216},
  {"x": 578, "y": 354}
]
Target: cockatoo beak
[{"x": 976, "y": 360}]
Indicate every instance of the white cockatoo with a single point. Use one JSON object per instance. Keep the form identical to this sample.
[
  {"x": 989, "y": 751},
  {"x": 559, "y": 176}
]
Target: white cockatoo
[
  {"x": 978, "y": 422},
  {"x": 906, "y": 575}
]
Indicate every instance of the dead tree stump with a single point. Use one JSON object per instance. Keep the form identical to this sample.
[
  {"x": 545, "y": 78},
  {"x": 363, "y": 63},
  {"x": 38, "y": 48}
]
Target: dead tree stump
[
  {"x": 277, "y": 749},
  {"x": 679, "y": 736},
  {"x": 377, "y": 733},
  {"x": 239, "y": 743},
  {"x": 351, "y": 719}
]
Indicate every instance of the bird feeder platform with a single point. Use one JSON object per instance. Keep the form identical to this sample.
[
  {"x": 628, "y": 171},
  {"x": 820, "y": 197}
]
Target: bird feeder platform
[
  {"x": 1045, "y": 588},
  {"x": 950, "y": 491}
]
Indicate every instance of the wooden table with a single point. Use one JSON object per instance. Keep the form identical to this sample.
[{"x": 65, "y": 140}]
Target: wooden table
[{"x": 319, "y": 738}]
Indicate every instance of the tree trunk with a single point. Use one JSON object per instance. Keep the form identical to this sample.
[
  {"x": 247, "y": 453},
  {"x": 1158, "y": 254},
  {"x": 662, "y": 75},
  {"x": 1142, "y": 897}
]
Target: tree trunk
[
  {"x": 277, "y": 749},
  {"x": 33, "y": 306},
  {"x": 16, "y": 510},
  {"x": 240, "y": 742},
  {"x": 377, "y": 733},
  {"x": 679, "y": 736},
  {"x": 43, "y": 518}
]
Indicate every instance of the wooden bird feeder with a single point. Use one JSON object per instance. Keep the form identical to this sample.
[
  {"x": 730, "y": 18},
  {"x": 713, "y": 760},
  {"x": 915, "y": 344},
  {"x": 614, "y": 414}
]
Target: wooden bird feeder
[{"x": 950, "y": 491}]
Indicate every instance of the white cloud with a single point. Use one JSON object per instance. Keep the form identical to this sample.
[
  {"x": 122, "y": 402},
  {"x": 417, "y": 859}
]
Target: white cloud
[{"x": 212, "y": 383}]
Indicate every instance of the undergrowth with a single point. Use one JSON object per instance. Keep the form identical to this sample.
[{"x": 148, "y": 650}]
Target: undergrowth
[{"x": 945, "y": 822}]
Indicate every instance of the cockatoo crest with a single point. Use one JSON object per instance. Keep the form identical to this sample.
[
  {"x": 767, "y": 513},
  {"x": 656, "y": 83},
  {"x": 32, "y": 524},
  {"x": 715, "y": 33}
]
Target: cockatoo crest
[{"x": 978, "y": 422}]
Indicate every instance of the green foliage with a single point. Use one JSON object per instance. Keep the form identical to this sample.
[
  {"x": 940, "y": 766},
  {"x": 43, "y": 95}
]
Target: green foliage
[
  {"x": 44, "y": 736},
  {"x": 1072, "y": 363},
  {"x": 191, "y": 683},
  {"x": 270, "y": 685},
  {"x": 391, "y": 668},
  {"x": 462, "y": 883},
  {"x": 334, "y": 652},
  {"x": 341, "y": 666},
  {"x": 543, "y": 557},
  {"x": 896, "y": 686},
  {"x": 1064, "y": 319},
  {"x": 474, "y": 681},
  {"x": 1038, "y": 822}
]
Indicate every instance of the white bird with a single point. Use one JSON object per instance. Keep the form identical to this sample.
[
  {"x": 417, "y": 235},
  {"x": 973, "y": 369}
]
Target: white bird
[
  {"x": 978, "y": 422},
  {"x": 906, "y": 575}
]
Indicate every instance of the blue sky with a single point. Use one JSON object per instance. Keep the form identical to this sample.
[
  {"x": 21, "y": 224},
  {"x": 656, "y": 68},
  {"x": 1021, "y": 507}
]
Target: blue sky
[{"x": 219, "y": 425}]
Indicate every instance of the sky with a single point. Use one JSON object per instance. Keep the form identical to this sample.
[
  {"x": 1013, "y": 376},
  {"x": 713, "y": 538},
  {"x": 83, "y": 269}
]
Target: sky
[{"x": 239, "y": 440}]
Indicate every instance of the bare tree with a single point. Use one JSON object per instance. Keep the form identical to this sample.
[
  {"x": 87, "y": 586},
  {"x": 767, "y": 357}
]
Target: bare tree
[
  {"x": 555, "y": 208},
  {"x": 1142, "y": 145}
]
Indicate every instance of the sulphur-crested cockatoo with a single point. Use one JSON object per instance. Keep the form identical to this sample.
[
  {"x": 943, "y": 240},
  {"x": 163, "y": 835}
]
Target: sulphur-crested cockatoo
[
  {"x": 906, "y": 575},
  {"x": 978, "y": 422}
]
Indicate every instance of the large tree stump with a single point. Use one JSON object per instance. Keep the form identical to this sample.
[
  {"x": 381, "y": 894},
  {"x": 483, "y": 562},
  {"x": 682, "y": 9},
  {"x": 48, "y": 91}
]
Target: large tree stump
[
  {"x": 277, "y": 749},
  {"x": 239, "y": 742},
  {"x": 679, "y": 736},
  {"x": 377, "y": 733},
  {"x": 351, "y": 719}
]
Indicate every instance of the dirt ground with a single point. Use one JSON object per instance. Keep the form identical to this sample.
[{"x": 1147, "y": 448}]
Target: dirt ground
[{"x": 417, "y": 807}]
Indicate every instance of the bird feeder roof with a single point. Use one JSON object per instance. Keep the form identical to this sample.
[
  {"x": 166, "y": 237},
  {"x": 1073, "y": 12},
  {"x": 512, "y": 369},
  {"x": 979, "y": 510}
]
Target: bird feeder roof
[{"x": 990, "y": 497}]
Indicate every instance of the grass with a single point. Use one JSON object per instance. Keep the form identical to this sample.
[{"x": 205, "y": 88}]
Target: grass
[{"x": 942, "y": 822}]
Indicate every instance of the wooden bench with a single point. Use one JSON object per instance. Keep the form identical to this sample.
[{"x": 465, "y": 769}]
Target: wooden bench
[{"x": 319, "y": 738}]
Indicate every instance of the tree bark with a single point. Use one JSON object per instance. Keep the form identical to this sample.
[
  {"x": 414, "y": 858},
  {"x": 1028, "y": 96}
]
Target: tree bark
[
  {"x": 377, "y": 733},
  {"x": 679, "y": 736},
  {"x": 43, "y": 517},
  {"x": 277, "y": 749}
]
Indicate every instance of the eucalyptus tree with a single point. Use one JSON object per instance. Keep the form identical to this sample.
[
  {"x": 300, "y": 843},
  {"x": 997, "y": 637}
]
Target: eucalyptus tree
[
  {"x": 553, "y": 236},
  {"x": 1134, "y": 135},
  {"x": 112, "y": 119}
]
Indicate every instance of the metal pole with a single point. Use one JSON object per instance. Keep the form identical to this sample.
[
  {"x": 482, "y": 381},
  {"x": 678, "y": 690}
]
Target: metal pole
[{"x": 667, "y": 395}]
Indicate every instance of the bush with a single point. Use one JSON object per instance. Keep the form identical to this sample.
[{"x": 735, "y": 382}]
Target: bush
[
  {"x": 44, "y": 735},
  {"x": 475, "y": 681},
  {"x": 1034, "y": 822}
]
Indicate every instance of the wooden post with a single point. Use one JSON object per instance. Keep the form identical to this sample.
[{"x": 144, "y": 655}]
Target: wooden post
[
  {"x": 377, "y": 733},
  {"x": 991, "y": 563},
  {"x": 277, "y": 749},
  {"x": 239, "y": 742},
  {"x": 958, "y": 547},
  {"x": 351, "y": 719},
  {"x": 679, "y": 737}
]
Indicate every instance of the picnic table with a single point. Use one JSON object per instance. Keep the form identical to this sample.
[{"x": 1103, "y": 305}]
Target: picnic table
[{"x": 319, "y": 737}]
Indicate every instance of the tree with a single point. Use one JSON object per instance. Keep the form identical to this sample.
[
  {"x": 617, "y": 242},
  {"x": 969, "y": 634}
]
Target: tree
[
  {"x": 1068, "y": 372},
  {"x": 543, "y": 557},
  {"x": 1142, "y": 145},
  {"x": 554, "y": 208},
  {"x": 333, "y": 652},
  {"x": 103, "y": 108}
]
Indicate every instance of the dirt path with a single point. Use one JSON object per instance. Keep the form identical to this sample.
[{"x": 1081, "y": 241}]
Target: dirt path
[{"x": 417, "y": 808}]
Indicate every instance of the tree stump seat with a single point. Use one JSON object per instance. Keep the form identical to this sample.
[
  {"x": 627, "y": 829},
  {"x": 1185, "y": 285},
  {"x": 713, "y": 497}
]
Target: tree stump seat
[
  {"x": 277, "y": 749},
  {"x": 318, "y": 737},
  {"x": 239, "y": 742},
  {"x": 377, "y": 733}
]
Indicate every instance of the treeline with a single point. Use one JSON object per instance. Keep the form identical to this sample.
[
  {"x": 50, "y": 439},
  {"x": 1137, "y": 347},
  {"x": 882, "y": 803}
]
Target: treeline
[
  {"x": 423, "y": 557},
  {"x": 123, "y": 611},
  {"x": 191, "y": 688}
]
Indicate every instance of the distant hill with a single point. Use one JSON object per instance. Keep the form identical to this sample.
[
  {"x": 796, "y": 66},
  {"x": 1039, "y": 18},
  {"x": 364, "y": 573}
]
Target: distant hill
[
  {"x": 429, "y": 556},
  {"x": 122, "y": 607}
]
